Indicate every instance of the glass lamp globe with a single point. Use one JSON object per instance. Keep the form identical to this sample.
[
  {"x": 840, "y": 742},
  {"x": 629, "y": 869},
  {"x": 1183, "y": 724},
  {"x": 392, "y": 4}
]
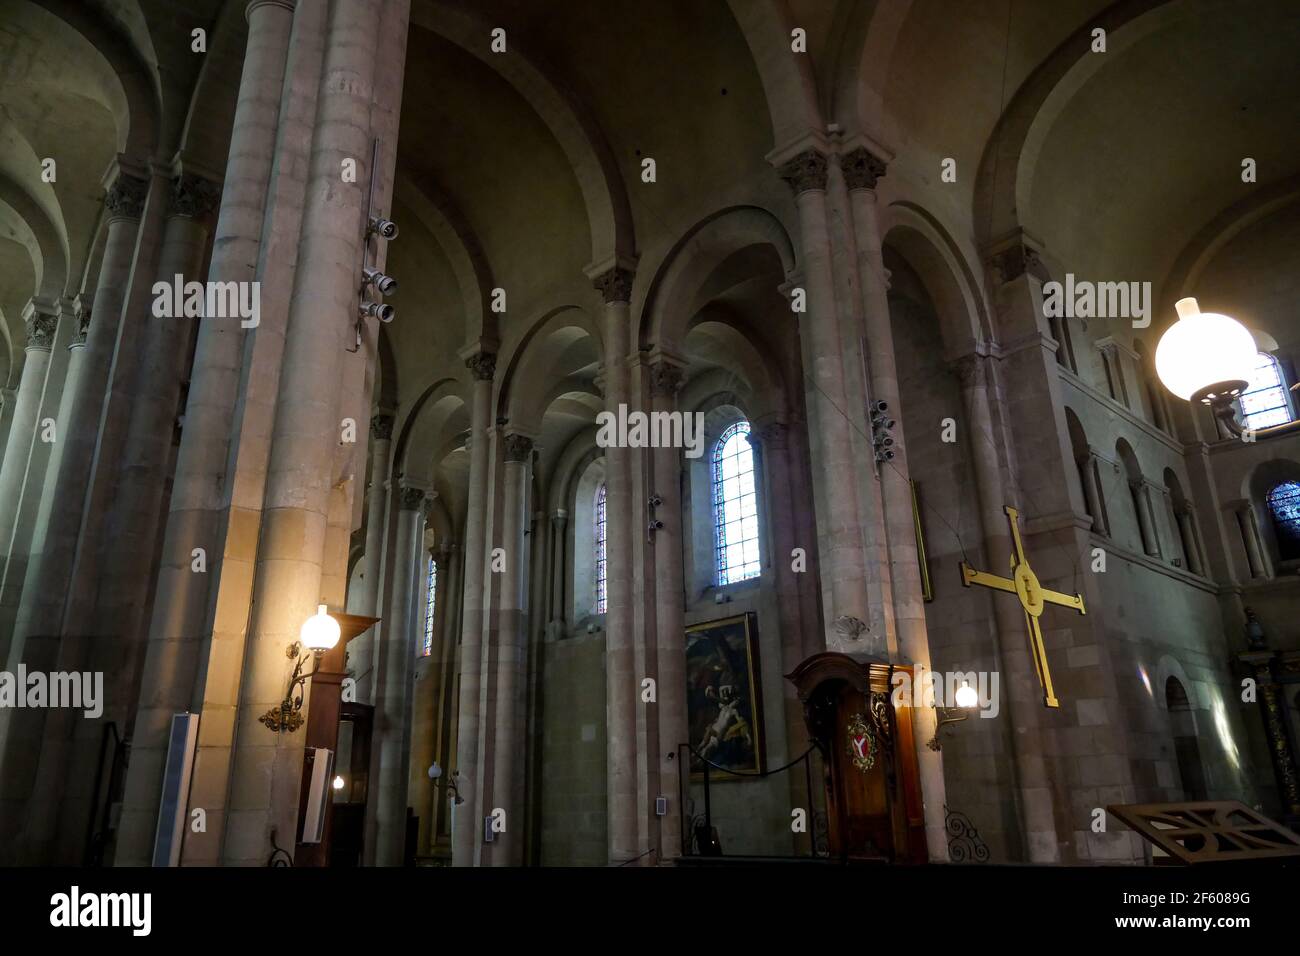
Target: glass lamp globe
[
  {"x": 338, "y": 783},
  {"x": 1204, "y": 355},
  {"x": 966, "y": 696},
  {"x": 320, "y": 632}
]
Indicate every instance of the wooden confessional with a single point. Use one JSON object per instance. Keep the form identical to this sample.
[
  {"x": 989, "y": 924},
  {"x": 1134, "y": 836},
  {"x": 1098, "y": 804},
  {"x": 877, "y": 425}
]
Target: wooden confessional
[{"x": 873, "y": 790}]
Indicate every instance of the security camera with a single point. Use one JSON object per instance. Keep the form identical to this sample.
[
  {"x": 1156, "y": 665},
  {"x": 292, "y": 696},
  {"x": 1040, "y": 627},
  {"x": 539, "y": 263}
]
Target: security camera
[
  {"x": 884, "y": 441},
  {"x": 386, "y": 285},
  {"x": 384, "y": 228},
  {"x": 656, "y": 525},
  {"x": 378, "y": 310},
  {"x": 879, "y": 407},
  {"x": 655, "y": 501}
]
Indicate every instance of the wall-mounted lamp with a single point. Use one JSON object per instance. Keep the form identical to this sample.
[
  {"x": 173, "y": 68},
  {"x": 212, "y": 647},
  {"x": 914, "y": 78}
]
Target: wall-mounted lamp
[
  {"x": 319, "y": 633},
  {"x": 966, "y": 699},
  {"x": 435, "y": 774}
]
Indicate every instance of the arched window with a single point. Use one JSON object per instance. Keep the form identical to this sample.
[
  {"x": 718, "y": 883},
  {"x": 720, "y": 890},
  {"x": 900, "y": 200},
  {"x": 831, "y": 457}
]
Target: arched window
[
  {"x": 735, "y": 507},
  {"x": 431, "y": 584},
  {"x": 1264, "y": 401},
  {"x": 602, "y": 565},
  {"x": 1284, "y": 508}
]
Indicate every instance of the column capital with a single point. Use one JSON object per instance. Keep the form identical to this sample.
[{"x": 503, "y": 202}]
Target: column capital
[
  {"x": 1016, "y": 255},
  {"x": 614, "y": 284},
  {"x": 482, "y": 366},
  {"x": 125, "y": 197},
  {"x": 381, "y": 427},
  {"x": 518, "y": 447},
  {"x": 254, "y": 4},
  {"x": 41, "y": 321},
  {"x": 972, "y": 370},
  {"x": 194, "y": 197},
  {"x": 411, "y": 497},
  {"x": 862, "y": 168},
  {"x": 559, "y": 516},
  {"x": 806, "y": 172},
  {"x": 82, "y": 312},
  {"x": 666, "y": 379},
  {"x": 770, "y": 435}
]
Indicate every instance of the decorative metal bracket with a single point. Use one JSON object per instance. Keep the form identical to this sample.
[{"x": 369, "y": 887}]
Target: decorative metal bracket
[{"x": 288, "y": 716}]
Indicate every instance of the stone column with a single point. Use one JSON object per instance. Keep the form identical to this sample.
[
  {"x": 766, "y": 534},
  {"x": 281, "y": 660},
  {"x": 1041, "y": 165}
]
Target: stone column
[
  {"x": 394, "y": 692},
  {"x": 840, "y": 546},
  {"x": 1186, "y": 515},
  {"x": 621, "y": 685},
  {"x": 1034, "y": 795},
  {"x": 372, "y": 559},
  {"x": 465, "y": 833},
  {"x": 861, "y": 172},
  {"x": 54, "y": 404},
  {"x": 1092, "y": 492},
  {"x": 38, "y": 623},
  {"x": 180, "y": 629},
  {"x": 1146, "y": 519},
  {"x": 1250, "y": 536},
  {"x": 103, "y": 625},
  {"x": 509, "y": 655},
  {"x": 559, "y": 572},
  {"x": 381, "y": 440},
  {"x": 266, "y": 766},
  {"x": 666, "y": 380},
  {"x": 41, "y": 320}
]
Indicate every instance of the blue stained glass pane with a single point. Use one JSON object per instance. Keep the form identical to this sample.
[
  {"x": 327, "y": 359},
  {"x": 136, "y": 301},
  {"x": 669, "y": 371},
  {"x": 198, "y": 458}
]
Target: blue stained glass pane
[
  {"x": 735, "y": 509},
  {"x": 602, "y": 565},
  {"x": 1284, "y": 508}
]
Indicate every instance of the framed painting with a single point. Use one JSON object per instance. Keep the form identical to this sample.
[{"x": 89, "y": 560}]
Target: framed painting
[{"x": 724, "y": 704}]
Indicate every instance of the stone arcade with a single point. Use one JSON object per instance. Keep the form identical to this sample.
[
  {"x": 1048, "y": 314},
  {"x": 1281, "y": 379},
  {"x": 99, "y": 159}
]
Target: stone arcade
[{"x": 853, "y": 202}]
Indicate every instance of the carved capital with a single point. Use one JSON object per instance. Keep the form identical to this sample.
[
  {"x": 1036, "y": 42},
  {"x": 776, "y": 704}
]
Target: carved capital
[
  {"x": 971, "y": 370},
  {"x": 194, "y": 197},
  {"x": 771, "y": 435},
  {"x": 666, "y": 379},
  {"x": 41, "y": 324},
  {"x": 381, "y": 427},
  {"x": 83, "y": 324},
  {"x": 411, "y": 498},
  {"x": 482, "y": 366},
  {"x": 805, "y": 172},
  {"x": 615, "y": 285},
  {"x": 1017, "y": 260},
  {"x": 125, "y": 198},
  {"x": 518, "y": 447},
  {"x": 861, "y": 169}
]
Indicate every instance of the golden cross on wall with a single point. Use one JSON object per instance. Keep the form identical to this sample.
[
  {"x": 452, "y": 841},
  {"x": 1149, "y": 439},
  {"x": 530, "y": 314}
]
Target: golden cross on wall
[{"x": 1033, "y": 598}]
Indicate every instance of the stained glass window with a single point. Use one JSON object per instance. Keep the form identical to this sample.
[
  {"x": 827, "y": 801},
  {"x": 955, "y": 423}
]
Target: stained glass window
[
  {"x": 735, "y": 506},
  {"x": 1284, "y": 507},
  {"x": 432, "y": 585},
  {"x": 1264, "y": 401},
  {"x": 601, "y": 563}
]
